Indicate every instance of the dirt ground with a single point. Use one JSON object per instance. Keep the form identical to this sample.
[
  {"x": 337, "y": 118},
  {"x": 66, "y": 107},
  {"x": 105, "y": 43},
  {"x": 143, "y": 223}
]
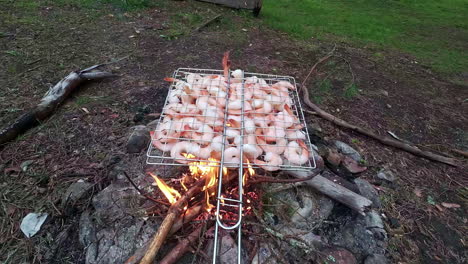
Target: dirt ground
[{"x": 391, "y": 93}]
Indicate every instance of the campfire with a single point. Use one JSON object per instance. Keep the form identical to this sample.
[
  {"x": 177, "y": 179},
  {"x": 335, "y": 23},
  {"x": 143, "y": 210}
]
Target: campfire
[
  {"x": 228, "y": 128},
  {"x": 223, "y": 125}
]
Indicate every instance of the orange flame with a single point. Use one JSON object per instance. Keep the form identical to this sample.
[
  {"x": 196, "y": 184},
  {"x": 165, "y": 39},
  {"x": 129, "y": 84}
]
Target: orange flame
[
  {"x": 207, "y": 169},
  {"x": 250, "y": 172},
  {"x": 171, "y": 194}
]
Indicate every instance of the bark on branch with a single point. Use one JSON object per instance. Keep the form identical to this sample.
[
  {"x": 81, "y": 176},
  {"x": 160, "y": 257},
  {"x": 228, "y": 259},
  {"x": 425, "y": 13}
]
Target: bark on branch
[
  {"x": 51, "y": 100},
  {"x": 173, "y": 213},
  {"x": 382, "y": 139}
]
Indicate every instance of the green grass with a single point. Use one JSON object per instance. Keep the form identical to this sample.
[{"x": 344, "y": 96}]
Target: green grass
[
  {"x": 434, "y": 31},
  {"x": 126, "y": 5}
]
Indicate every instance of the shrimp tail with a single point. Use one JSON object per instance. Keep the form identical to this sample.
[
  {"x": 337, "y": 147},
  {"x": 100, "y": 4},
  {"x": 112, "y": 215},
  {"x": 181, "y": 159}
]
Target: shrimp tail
[
  {"x": 287, "y": 108},
  {"x": 303, "y": 146}
]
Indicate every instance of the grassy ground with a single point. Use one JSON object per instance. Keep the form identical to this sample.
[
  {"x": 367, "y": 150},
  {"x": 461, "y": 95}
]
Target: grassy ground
[{"x": 434, "y": 31}]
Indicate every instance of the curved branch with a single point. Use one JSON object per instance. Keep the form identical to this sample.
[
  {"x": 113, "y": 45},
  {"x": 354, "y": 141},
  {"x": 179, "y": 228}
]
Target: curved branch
[{"x": 384, "y": 140}]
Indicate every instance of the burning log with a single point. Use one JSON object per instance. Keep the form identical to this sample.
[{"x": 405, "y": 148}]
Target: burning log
[
  {"x": 52, "y": 99},
  {"x": 189, "y": 215},
  {"x": 335, "y": 191},
  {"x": 173, "y": 213}
]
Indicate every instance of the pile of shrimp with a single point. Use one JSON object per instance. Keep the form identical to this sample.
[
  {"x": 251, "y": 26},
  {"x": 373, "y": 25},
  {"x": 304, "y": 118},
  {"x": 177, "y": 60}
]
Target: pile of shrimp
[{"x": 193, "y": 121}]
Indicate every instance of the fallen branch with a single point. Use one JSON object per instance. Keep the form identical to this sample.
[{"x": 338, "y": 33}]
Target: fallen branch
[
  {"x": 52, "y": 99},
  {"x": 189, "y": 215},
  {"x": 334, "y": 191},
  {"x": 264, "y": 179},
  {"x": 173, "y": 213},
  {"x": 384, "y": 140},
  {"x": 207, "y": 22},
  {"x": 184, "y": 245},
  {"x": 461, "y": 152}
]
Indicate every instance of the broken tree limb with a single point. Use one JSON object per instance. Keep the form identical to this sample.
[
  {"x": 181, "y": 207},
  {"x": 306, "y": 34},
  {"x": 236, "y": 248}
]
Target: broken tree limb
[
  {"x": 51, "y": 100},
  {"x": 382, "y": 139},
  {"x": 335, "y": 191},
  {"x": 185, "y": 245},
  {"x": 189, "y": 215},
  {"x": 173, "y": 213},
  {"x": 461, "y": 152}
]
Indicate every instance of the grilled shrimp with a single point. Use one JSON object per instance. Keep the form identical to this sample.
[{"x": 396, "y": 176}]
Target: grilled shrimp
[
  {"x": 285, "y": 118},
  {"x": 166, "y": 132},
  {"x": 163, "y": 146},
  {"x": 261, "y": 106},
  {"x": 281, "y": 85},
  {"x": 272, "y": 133},
  {"x": 295, "y": 134},
  {"x": 251, "y": 149},
  {"x": 272, "y": 162},
  {"x": 297, "y": 152},
  {"x": 184, "y": 147},
  {"x": 237, "y": 76},
  {"x": 278, "y": 146},
  {"x": 217, "y": 143},
  {"x": 232, "y": 156},
  {"x": 203, "y": 134}
]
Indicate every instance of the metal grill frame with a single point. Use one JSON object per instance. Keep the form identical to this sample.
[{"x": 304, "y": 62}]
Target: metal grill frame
[
  {"x": 155, "y": 157},
  {"x": 158, "y": 157}
]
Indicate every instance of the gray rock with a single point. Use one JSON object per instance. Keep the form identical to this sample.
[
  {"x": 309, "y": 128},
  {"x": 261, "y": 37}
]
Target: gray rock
[
  {"x": 308, "y": 210},
  {"x": 363, "y": 236},
  {"x": 376, "y": 259},
  {"x": 374, "y": 224},
  {"x": 138, "y": 140},
  {"x": 152, "y": 125},
  {"x": 366, "y": 190},
  {"x": 373, "y": 220},
  {"x": 348, "y": 150},
  {"x": 114, "y": 202},
  {"x": 386, "y": 175},
  {"x": 314, "y": 128},
  {"x": 76, "y": 191},
  {"x": 87, "y": 233},
  {"x": 228, "y": 250},
  {"x": 118, "y": 229}
]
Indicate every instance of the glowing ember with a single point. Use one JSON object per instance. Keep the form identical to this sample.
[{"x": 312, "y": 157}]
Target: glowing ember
[{"x": 171, "y": 194}]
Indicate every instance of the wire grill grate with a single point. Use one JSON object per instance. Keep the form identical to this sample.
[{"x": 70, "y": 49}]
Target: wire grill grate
[{"x": 244, "y": 109}]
